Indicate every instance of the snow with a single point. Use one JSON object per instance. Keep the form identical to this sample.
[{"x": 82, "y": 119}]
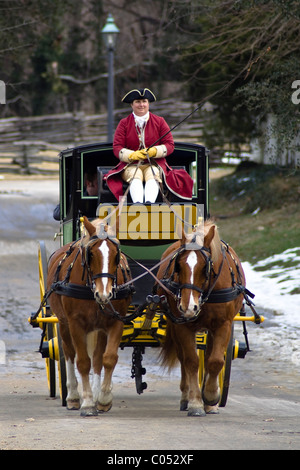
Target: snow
[{"x": 272, "y": 281}]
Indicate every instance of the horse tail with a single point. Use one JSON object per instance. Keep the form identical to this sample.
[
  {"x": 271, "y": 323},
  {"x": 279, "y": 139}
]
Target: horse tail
[{"x": 168, "y": 355}]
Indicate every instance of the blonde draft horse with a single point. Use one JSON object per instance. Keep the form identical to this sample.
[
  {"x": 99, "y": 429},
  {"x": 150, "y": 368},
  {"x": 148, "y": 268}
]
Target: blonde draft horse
[
  {"x": 90, "y": 333},
  {"x": 202, "y": 266}
]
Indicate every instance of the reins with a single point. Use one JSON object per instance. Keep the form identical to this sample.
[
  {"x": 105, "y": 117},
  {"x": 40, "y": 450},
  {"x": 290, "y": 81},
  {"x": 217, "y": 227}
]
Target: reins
[{"x": 169, "y": 286}]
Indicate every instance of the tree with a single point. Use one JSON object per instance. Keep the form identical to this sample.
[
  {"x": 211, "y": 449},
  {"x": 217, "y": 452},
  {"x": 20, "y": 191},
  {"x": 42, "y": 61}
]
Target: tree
[
  {"x": 245, "y": 53},
  {"x": 41, "y": 39}
]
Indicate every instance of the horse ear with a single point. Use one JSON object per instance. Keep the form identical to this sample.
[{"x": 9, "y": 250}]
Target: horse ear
[
  {"x": 181, "y": 234},
  {"x": 90, "y": 227},
  {"x": 209, "y": 236}
]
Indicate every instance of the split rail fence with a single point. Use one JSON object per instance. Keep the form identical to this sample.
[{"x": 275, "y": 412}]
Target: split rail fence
[{"x": 32, "y": 144}]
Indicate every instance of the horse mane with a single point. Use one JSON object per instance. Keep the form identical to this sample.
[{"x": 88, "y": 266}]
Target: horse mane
[
  {"x": 102, "y": 227},
  {"x": 102, "y": 231},
  {"x": 198, "y": 234}
]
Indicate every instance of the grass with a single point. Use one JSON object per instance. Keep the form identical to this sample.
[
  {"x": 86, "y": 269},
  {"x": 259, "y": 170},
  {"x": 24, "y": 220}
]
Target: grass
[{"x": 256, "y": 208}]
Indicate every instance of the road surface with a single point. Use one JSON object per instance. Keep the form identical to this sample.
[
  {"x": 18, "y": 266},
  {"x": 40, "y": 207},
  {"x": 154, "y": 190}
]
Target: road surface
[{"x": 262, "y": 411}]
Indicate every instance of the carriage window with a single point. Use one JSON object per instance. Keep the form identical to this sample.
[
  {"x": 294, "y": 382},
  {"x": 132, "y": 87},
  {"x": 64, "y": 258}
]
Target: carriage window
[
  {"x": 90, "y": 184},
  {"x": 89, "y": 180},
  {"x": 90, "y": 160},
  {"x": 186, "y": 158}
]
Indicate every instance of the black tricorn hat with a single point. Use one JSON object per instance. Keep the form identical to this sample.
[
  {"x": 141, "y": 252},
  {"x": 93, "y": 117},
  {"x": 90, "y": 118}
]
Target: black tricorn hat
[{"x": 139, "y": 94}]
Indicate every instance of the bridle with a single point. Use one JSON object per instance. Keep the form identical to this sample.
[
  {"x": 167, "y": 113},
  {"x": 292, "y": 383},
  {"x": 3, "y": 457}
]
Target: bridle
[
  {"x": 206, "y": 288},
  {"x": 86, "y": 254}
]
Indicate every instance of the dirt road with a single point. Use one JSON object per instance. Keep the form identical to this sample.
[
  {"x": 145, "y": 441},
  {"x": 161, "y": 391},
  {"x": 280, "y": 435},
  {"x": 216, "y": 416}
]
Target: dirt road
[{"x": 263, "y": 407}]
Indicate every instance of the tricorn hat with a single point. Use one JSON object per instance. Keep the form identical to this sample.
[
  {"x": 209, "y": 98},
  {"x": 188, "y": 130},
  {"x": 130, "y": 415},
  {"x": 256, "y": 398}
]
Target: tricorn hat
[{"x": 139, "y": 94}]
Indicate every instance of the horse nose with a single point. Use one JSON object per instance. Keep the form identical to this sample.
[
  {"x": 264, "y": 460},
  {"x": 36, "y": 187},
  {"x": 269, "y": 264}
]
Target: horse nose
[
  {"x": 103, "y": 298},
  {"x": 191, "y": 311}
]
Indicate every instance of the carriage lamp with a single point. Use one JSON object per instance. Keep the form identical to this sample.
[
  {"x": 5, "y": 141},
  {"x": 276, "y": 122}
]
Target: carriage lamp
[{"x": 109, "y": 33}]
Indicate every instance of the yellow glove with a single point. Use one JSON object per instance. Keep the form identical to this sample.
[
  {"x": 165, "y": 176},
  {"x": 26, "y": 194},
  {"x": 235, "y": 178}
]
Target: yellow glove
[
  {"x": 137, "y": 155},
  {"x": 152, "y": 151}
]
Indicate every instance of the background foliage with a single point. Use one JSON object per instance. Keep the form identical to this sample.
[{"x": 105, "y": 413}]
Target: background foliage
[{"x": 242, "y": 54}]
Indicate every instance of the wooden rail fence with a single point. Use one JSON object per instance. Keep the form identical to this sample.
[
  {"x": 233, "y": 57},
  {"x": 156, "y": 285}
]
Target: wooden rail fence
[{"x": 32, "y": 144}]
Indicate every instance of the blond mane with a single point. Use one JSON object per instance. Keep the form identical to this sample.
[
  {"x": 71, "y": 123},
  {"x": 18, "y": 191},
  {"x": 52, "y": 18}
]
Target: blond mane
[
  {"x": 102, "y": 230},
  {"x": 215, "y": 246},
  {"x": 200, "y": 232}
]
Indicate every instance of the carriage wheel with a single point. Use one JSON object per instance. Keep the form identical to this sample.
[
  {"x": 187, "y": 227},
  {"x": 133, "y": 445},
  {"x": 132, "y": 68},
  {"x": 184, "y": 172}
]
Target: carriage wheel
[
  {"x": 49, "y": 328},
  {"x": 224, "y": 376},
  {"x": 62, "y": 376}
]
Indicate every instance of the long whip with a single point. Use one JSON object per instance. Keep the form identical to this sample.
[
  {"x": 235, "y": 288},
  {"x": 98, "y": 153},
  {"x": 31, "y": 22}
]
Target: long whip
[{"x": 204, "y": 100}]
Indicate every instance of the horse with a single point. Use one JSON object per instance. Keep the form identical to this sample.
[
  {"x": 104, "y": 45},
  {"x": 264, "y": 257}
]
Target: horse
[
  {"x": 202, "y": 282},
  {"x": 83, "y": 277}
]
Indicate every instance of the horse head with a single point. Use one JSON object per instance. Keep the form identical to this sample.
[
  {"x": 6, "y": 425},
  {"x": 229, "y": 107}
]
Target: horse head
[
  {"x": 193, "y": 267},
  {"x": 102, "y": 256}
]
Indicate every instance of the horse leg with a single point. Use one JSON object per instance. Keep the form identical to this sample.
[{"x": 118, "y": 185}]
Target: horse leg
[
  {"x": 110, "y": 359},
  {"x": 57, "y": 306},
  {"x": 184, "y": 388},
  {"x": 190, "y": 392},
  {"x": 196, "y": 407},
  {"x": 184, "y": 385},
  {"x": 83, "y": 362},
  {"x": 99, "y": 345},
  {"x": 216, "y": 347},
  {"x": 73, "y": 399}
]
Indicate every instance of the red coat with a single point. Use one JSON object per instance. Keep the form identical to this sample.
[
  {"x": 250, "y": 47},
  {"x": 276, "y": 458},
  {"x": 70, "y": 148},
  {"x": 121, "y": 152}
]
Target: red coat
[{"x": 178, "y": 181}]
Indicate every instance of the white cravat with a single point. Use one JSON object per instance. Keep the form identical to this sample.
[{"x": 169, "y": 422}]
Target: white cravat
[
  {"x": 141, "y": 120},
  {"x": 140, "y": 124}
]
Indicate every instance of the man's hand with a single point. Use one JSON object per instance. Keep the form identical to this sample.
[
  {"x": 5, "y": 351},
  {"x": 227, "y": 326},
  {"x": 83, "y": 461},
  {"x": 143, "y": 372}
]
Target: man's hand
[
  {"x": 152, "y": 151},
  {"x": 137, "y": 155}
]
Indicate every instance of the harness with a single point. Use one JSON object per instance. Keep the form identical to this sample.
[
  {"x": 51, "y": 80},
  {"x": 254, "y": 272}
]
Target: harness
[
  {"x": 85, "y": 292},
  {"x": 208, "y": 294},
  {"x": 167, "y": 283},
  {"x": 77, "y": 291}
]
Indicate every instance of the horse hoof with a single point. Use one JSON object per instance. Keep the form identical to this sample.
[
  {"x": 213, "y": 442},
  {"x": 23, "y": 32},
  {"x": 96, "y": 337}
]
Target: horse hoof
[
  {"x": 211, "y": 402},
  {"x": 104, "y": 408},
  {"x": 73, "y": 405},
  {"x": 184, "y": 404},
  {"x": 196, "y": 412},
  {"x": 91, "y": 411},
  {"x": 212, "y": 410}
]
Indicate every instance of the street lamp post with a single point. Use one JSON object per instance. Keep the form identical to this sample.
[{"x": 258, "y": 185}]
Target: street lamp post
[{"x": 110, "y": 33}]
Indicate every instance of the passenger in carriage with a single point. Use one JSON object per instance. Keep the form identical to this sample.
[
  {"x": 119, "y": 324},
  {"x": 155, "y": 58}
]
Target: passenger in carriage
[
  {"x": 90, "y": 189},
  {"x": 133, "y": 143},
  {"x": 90, "y": 183}
]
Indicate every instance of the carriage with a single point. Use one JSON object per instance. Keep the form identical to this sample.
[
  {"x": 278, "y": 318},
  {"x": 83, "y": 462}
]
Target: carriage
[{"x": 144, "y": 232}]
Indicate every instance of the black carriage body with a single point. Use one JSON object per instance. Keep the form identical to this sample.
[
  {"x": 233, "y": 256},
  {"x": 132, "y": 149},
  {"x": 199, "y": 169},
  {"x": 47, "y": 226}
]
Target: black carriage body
[{"x": 145, "y": 230}]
